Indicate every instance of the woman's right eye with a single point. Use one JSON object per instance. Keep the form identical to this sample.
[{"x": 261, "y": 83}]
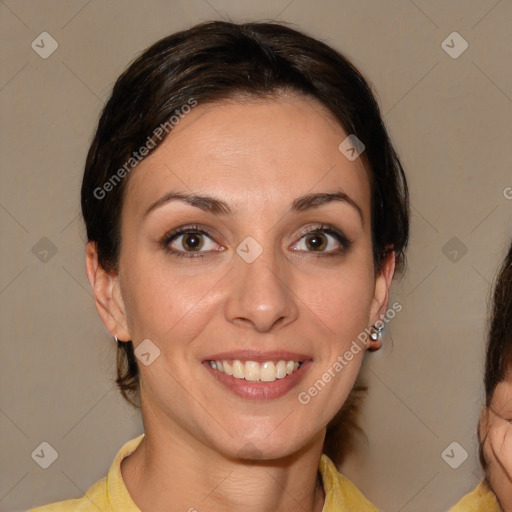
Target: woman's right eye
[{"x": 190, "y": 243}]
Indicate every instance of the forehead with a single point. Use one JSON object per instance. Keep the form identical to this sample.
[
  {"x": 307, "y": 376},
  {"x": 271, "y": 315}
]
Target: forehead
[
  {"x": 502, "y": 396},
  {"x": 251, "y": 152}
]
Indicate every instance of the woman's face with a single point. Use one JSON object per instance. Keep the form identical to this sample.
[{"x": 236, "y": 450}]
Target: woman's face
[
  {"x": 234, "y": 276},
  {"x": 497, "y": 435}
]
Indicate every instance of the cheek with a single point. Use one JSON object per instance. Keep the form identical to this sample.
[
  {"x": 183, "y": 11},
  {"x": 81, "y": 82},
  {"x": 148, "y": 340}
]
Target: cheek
[
  {"x": 498, "y": 454},
  {"x": 161, "y": 300},
  {"x": 500, "y": 444},
  {"x": 342, "y": 298}
]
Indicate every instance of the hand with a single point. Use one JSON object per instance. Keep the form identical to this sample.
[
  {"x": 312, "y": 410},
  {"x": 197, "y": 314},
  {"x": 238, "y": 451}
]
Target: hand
[{"x": 497, "y": 435}]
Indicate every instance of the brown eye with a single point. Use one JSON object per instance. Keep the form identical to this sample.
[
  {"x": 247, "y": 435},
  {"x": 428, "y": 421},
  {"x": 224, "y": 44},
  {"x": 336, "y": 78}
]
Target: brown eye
[
  {"x": 323, "y": 240},
  {"x": 316, "y": 242},
  {"x": 192, "y": 241}
]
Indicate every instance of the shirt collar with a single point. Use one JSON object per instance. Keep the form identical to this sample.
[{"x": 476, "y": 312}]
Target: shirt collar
[{"x": 119, "y": 497}]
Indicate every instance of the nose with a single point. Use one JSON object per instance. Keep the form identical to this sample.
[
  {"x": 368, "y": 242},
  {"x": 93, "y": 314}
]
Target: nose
[{"x": 261, "y": 294}]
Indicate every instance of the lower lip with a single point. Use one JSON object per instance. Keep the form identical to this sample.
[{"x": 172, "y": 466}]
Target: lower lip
[{"x": 260, "y": 390}]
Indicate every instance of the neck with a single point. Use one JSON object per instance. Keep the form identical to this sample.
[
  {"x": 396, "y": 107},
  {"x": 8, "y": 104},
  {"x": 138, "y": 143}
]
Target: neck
[{"x": 172, "y": 467}]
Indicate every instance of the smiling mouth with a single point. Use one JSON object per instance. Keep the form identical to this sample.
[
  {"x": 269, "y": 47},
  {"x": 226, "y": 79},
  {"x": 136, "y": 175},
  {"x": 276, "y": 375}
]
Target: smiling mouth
[{"x": 253, "y": 371}]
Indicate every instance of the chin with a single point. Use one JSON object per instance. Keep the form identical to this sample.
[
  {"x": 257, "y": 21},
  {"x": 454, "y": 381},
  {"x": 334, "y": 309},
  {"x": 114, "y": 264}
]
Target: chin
[{"x": 267, "y": 447}]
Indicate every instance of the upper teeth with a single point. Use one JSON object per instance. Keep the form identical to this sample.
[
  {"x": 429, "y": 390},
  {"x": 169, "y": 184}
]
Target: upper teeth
[{"x": 254, "y": 371}]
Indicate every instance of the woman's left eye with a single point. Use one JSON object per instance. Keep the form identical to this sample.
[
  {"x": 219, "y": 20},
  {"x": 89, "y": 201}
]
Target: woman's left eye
[{"x": 323, "y": 240}]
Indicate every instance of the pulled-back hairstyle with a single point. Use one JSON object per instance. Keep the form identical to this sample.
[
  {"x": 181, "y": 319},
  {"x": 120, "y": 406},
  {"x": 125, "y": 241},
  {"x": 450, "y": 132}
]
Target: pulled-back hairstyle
[
  {"x": 498, "y": 361},
  {"x": 212, "y": 62}
]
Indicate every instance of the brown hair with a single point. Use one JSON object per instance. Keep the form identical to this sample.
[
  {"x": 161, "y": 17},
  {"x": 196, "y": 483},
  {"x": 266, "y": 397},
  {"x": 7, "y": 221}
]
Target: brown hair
[
  {"x": 498, "y": 361},
  {"x": 220, "y": 60}
]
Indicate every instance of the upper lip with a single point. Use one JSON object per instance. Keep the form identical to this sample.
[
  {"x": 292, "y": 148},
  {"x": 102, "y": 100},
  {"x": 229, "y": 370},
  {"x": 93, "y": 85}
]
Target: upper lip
[{"x": 258, "y": 356}]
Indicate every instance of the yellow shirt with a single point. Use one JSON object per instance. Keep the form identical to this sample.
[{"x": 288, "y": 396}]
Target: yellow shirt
[
  {"x": 110, "y": 493},
  {"x": 482, "y": 499}
]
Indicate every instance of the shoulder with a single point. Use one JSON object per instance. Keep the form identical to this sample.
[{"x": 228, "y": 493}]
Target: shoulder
[
  {"x": 340, "y": 492},
  {"x": 95, "y": 497},
  {"x": 481, "y": 498},
  {"x": 107, "y": 494}
]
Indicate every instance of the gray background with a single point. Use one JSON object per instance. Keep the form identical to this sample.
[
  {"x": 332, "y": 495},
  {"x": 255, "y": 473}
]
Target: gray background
[{"x": 450, "y": 120}]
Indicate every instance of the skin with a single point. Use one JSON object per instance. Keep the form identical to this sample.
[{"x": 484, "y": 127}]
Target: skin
[
  {"x": 496, "y": 424},
  {"x": 257, "y": 156}
]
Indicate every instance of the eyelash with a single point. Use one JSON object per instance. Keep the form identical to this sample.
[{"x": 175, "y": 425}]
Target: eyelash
[{"x": 340, "y": 237}]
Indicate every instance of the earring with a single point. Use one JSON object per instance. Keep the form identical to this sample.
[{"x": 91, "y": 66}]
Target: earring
[
  {"x": 115, "y": 337},
  {"x": 376, "y": 332}
]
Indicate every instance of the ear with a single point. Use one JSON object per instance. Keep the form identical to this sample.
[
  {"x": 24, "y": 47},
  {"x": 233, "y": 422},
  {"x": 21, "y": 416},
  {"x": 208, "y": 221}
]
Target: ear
[
  {"x": 107, "y": 295},
  {"x": 381, "y": 294}
]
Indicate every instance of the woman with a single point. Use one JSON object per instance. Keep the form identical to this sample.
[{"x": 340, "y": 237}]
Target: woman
[
  {"x": 245, "y": 214},
  {"x": 495, "y": 430}
]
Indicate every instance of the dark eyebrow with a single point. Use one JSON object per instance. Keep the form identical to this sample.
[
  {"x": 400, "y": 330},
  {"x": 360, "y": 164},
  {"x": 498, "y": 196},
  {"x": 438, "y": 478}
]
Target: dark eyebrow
[
  {"x": 309, "y": 201},
  {"x": 219, "y": 207},
  {"x": 206, "y": 203}
]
